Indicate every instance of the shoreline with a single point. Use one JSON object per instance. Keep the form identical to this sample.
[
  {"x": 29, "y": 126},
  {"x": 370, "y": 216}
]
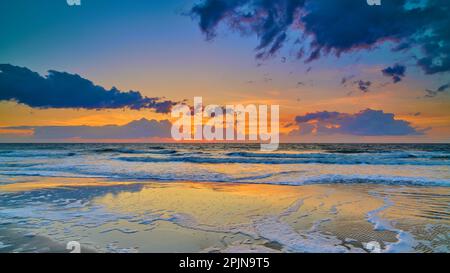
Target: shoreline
[{"x": 29, "y": 183}]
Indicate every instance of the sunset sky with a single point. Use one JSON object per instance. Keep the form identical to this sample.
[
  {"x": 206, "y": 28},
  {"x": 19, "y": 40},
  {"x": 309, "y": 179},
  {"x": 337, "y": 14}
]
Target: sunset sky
[{"x": 324, "y": 63}]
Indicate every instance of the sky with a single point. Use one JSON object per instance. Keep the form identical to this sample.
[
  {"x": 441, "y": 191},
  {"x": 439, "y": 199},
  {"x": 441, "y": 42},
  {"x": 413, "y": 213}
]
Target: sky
[{"x": 341, "y": 71}]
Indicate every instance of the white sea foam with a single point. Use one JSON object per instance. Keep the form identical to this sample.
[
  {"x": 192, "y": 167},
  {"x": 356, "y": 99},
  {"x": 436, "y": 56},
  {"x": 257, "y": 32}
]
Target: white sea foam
[{"x": 405, "y": 241}]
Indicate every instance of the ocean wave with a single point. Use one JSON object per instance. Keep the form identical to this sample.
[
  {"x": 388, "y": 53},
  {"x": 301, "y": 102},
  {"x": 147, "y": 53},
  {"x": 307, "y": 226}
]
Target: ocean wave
[
  {"x": 7, "y": 165},
  {"x": 361, "y": 154},
  {"x": 158, "y": 150},
  {"x": 41, "y": 154},
  {"x": 267, "y": 178},
  {"x": 374, "y": 179},
  {"x": 294, "y": 159}
]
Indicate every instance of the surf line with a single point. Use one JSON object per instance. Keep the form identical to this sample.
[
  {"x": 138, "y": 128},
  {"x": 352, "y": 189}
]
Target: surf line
[{"x": 230, "y": 123}]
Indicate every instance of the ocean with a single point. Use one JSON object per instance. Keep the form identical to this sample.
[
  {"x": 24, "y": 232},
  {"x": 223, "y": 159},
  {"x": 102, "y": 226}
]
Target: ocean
[
  {"x": 225, "y": 197},
  {"x": 292, "y": 164}
]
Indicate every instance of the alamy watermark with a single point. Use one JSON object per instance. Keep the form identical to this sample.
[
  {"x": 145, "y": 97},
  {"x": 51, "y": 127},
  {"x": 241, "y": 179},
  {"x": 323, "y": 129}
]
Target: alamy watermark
[
  {"x": 73, "y": 2},
  {"x": 229, "y": 123},
  {"x": 74, "y": 247},
  {"x": 374, "y": 2},
  {"x": 373, "y": 247}
]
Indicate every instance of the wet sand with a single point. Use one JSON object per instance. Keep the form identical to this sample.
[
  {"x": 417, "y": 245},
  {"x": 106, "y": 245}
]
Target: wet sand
[{"x": 43, "y": 214}]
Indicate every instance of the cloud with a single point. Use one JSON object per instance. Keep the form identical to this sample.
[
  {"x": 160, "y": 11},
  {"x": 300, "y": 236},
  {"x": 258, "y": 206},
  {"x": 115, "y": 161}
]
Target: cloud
[
  {"x": 323, "y": 27},
  {"x": 396, "y": 72},
  {"x": 364, "y": 123},
  {"x": 316, "y": 116},
  {"x": 137, "y": 129},
  {"x": 434, "y": 93},
  {"x": 64, "y": 90},
  {"x": 345, "y": 79},
  {"x": 363, "y": 85}
]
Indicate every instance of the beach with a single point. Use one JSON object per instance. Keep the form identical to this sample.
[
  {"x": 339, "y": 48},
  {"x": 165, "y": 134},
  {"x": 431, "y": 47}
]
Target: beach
[{"x": 113, "y": 216}]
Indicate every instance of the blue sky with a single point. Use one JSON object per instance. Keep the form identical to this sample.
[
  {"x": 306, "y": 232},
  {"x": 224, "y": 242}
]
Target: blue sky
[{"x": 159, "y": 49}]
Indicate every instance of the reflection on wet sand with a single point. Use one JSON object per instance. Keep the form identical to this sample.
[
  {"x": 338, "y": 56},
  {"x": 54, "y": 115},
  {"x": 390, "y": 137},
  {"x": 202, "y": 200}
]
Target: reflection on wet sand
[{"x": 118, "y": 216}]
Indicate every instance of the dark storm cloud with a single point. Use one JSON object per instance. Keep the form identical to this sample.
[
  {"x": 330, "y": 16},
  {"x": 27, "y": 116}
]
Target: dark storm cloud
[
  {"x": 336, "y": 26},
  {"x": 396, "y": 72},
  {"x": 364, "y": 123},
  {"x": 64, "y": 90},
  {"x": 134, "y": 130},
  {"x": 270, "y": 20},
  {"x": 434, "y": 93}
]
